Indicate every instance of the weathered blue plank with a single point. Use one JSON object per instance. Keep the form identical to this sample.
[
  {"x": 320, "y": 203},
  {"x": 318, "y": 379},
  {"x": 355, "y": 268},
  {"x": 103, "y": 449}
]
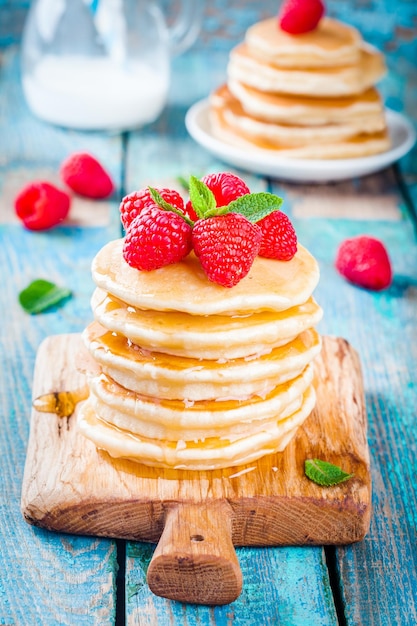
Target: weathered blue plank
[
  {"x": 62, "y": 580},
  {"x": 393, "y": 29},
  {"x": 280, "y": 586},
  {"x": 379, "y": 575},
  {"x": 46, "y": 578}
]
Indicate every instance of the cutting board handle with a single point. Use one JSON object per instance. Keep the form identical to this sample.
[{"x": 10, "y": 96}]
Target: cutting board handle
[{"x": 195, "y": 560}]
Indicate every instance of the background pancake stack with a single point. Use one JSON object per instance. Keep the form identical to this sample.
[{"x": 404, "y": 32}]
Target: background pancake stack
[
  {"x": 190, "y": 375},
  {"x": 310, "y": 95}
]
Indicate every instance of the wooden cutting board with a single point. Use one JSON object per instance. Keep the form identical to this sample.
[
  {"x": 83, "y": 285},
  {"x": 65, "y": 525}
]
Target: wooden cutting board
[{"x": 198, "y": 517}]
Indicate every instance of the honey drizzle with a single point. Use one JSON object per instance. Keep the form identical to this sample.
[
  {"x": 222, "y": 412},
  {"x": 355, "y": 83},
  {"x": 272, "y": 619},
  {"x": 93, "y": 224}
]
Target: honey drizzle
[{"x": 61, "y": 403}]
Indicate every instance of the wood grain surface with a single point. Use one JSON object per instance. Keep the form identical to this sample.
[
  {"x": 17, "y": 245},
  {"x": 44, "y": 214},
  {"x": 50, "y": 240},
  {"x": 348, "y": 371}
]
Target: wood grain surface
[{"x": 70, "y": 486}]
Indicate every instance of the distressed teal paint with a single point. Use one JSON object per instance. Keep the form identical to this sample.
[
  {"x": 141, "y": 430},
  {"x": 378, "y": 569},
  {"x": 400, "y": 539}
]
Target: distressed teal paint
[
  {"x": 281, "y": 586},
  {"x": 69, "y": 580},
  {"x": 47, "y": 579}
]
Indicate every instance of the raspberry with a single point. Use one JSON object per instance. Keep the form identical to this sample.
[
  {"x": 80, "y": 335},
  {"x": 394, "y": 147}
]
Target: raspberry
[
  {"x": 279, "y": 240},
  {"x": 364, "y": 261},
  {"x": 300, "y": 16},
  {"x": 156, "y": 238},
  {"x": 189, "y": 211},
  {"x": 132, "y": 204},
  {"x": 41, "y": 205},
  {"x": 225, "y": 187},
  {"x": 226, "y": 246},
  {"x": 86, "y": 176}
]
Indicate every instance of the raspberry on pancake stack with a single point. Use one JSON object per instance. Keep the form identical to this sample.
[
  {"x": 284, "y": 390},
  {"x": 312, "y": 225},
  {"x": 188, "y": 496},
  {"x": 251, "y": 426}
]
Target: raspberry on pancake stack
[
  {"x": 203, "y": 358},
  {"x": 302, "y": 86}
]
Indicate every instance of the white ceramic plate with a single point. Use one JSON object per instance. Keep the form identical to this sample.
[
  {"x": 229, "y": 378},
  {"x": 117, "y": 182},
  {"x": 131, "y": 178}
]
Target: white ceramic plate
[{"x": 302, "y": 170}]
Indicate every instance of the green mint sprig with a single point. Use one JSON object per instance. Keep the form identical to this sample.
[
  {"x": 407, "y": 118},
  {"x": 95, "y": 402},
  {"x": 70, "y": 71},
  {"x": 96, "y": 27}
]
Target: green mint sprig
[
  {"x": 202, "y": 198},
  {"x": 156, "y": 196},
  {"x": 324, "y": 473},
  {"x": 41, "y": 295},
  {"x": 254, "y": 206}
]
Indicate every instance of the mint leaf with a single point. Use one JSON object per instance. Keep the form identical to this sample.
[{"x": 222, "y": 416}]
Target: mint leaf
[
  {"x": 40, "y": 295},
  {"x": 255, "y": 206},
  {"x": 163, "y": 204},
  {"x": 166, "y": 206},
  {"x": 202, "y": 198},
  {"x": 324, "y": 473}
]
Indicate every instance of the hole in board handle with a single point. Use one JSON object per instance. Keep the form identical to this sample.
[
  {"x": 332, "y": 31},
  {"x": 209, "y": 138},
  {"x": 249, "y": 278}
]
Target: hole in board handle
[{"x": 197, "y": 538}]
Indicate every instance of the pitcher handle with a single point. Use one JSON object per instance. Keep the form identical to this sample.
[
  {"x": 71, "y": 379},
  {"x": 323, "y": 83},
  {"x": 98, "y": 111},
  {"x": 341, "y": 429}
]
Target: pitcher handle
[{"x": 186, "y": 26}]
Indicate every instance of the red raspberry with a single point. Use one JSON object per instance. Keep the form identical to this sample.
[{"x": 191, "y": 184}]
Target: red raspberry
[
  {"x": 132, "y": 204},
  {"x": 279, "y": 240},
  {"x": 41, "y": 205},
  {"x": 226, "y": 246},
  {"x": 225, "y": 187},
  {"x": 364, "y": 261},
  {"x": 300, "y": 16},
  {"x": 86, "y": 176},
  {"x": 189, "y": 211},
  {"x": 156, "y": 238}
]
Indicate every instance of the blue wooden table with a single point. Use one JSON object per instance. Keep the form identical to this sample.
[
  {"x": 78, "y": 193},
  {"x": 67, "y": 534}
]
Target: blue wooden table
[{"x": 50, "y": 579}]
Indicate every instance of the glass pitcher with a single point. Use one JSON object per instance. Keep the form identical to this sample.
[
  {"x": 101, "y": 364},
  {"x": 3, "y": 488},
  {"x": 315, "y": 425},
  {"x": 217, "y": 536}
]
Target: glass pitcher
[{"x": 102, "y": 64}]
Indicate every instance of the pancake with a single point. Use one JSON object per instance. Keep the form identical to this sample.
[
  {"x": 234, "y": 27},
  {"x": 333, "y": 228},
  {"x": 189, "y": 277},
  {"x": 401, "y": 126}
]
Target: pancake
[
  {"x": 289, "y": 109},
  {"x": 331, "y": 44},
  {"x": 168, "y": 377},
  {"x": 270, "y": 285},
  {"x": 304, "y": 96},
  {"x": 352, "y": 147},
  {"x": 189, "y": 374},
  {"x": 204, "y": 337},
  {"x": 141, "y": 427},
  {"x": 314, "y": 82},
  {"x": 213, "y": 453},
  {"x": 177, "y": 420},
  {"x": 156, "y": 374},
  {"x": 279, "y": 135}
]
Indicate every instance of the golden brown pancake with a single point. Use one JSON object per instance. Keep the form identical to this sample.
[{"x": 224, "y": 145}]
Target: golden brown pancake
[
  {"x": 176, "y": 420},
  {"x": 296, "y": 110},
  {"x": 213, "y": 453},
  {"x": 328, "y": 81},
  {"x": 161, "y": 375},
  {"x": 287, "y": 134},
  {"x": 189, "y": 374},
  {"x": 352, "y": 147},
  {"x": 331, "y": 44},
  {"x": 305, "y": 96},
  {"x": 271, "y": 285},
  {"x": 206, "y": 336}
]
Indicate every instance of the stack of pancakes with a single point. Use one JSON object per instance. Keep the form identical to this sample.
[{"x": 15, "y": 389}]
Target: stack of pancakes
[
  {"x": 304, "y": 96},
  {"x": 192, "y": 375}
]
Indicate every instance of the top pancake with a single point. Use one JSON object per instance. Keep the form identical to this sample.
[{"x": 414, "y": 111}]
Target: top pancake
[
  {"x": 270, "y": 284},
  {"x": 327, "y": 81},
  {"x": 331, "y": 44}
]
